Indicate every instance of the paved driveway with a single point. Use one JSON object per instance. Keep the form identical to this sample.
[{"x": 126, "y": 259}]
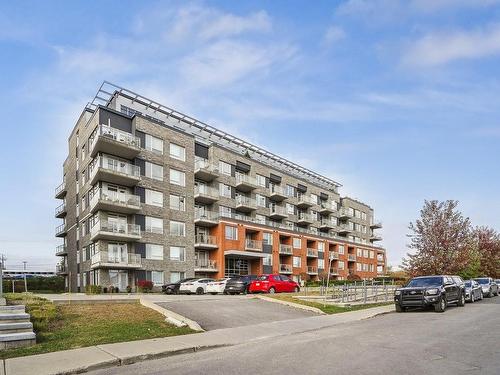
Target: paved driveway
[{"x": 214, "y": 312}]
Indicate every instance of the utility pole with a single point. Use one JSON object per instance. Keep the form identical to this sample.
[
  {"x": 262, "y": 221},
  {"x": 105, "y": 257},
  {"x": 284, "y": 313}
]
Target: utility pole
[
  {"x": 25, "y": 282},
  {"x": 2, "y": 262}
]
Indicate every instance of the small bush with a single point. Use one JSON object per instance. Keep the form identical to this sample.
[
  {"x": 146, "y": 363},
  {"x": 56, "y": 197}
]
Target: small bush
[
  {"x": 93, "y": 289},
  {"x": 144, "y": 286},
  {"x": 129, "y": 289}
]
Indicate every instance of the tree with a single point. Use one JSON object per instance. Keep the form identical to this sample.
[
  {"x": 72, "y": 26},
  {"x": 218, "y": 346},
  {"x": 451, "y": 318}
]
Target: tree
[
  {"x": 488, "y": 251},
  {"x": 441, "y": 241}
]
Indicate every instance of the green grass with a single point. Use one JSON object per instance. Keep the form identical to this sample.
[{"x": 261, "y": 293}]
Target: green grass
[
  {"x": 62, "y": 327},
  {"x": 327, "y": 309}
]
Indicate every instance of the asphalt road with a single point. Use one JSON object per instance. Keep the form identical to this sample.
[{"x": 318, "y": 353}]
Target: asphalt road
[
  {"x": 463, "y": 340},
  {"x": 231, "y": 311}
]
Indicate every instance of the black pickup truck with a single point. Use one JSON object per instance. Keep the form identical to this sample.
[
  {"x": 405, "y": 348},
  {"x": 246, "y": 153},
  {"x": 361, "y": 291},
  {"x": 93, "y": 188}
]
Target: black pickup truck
[{"x": 437, "y": 291}]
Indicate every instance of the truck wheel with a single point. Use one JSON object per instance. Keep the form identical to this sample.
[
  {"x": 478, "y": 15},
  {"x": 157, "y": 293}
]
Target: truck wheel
[
  {"x": 461, "y": 301},
  {"x": 399, "y": 308},
  {"x": 441, "y": 305}
]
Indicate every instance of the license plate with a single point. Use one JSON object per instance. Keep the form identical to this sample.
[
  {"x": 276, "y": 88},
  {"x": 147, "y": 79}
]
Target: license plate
[
  {"x": 257, "y": 284},
  {"x": 231, "y": 287}
]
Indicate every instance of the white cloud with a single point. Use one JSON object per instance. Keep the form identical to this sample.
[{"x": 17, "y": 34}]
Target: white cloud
[
  {"x": 437, "y": 5},
  {"x": 440, "y": 48},
  {"x": 333, "y": 34}
]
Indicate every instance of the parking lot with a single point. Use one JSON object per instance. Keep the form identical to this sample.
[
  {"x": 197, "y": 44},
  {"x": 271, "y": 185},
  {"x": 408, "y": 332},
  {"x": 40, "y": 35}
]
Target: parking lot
[{"x": 214, "y": 312}]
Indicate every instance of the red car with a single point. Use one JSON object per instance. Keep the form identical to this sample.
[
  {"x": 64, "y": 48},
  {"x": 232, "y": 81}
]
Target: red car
[{"x": 273, "y": 284}]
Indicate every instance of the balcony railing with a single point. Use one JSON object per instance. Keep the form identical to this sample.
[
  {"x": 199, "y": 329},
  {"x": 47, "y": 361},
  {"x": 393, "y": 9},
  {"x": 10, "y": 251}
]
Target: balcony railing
[
  {"x": 334, "y": 255},
  {"x": 253, "y": 245},
  {"x": 60, "y": 190},
  {"x": 285, "y": 268},
  {"x": 117, "y": 228},
  {"x": 61, "y": 268},
  {"x": 106, "y": 258},
  {"x": 116, "y": 135},
  {"x": 306, "y": 200},
  {"x": 380, "y": 258},
  {"x": 245, "y": 182},
  {"x": 305, "y": 217},
  {"x": 205, "y": 239},
  {"x": 114, "y": 197},
  {"x": 206, "y": 215},
  {"x": 351, "y": 257},
  {"x": 60, "y": 210},
  {"x": 313, "y": 253},
  {"x": 312, "y": 269},
  {"x": 344, "y": 212},
  {"x": 286, "y": 249},
  {"x": 327, "y": 207},
  {"x": 277, "y": 211},
  {"x": 61, "y": 249},
  {"x": 376, "y": 224},
  {"x": 246, "y": 202},
  {"x": 206, "y": 192},
  {"x": 277, "y": 193},
  {"x": 205, "y": 264},
  {"x": 61, "y": 229},
  {"x": 334, "y": 271}
]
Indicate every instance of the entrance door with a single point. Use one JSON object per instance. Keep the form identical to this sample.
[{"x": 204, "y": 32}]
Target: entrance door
[
  {"x": 201, "y": 258},
  {"x": 118, "y": 279},
  {"x": 117, "y": 223},
  {"x": 117, "y": 252},
  {"x": 236, "y": 266},
  {"x": 117, "y": 193}
]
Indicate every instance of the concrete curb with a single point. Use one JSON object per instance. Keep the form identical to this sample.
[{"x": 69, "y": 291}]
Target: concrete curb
[
  {"x": 292, "y": 304},
  {"x": 172, "y": 317}
]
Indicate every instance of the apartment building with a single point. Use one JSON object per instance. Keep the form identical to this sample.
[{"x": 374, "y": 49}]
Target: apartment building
[{"x": 149, "y": 193}]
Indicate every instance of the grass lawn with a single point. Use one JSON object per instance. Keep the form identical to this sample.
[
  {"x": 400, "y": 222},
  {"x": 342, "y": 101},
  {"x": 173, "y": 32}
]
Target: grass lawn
[
  {"x": 61, "y": 327},
  {"x": 327, "y": 309}
]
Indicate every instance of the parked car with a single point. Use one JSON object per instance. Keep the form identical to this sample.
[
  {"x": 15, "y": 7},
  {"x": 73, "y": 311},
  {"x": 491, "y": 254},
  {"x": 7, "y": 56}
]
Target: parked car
[
  {"x": 239, "y": 284},
  {"x": 438, "y": 291},
  {"x": 173, "y": 288},
  {"x": 473, "y": 291},
  {"x": 490, "y": 287},
  {"x": 217, "y": 286},
  {"x": 198, "y": 286},
  {"x": 273, "y": 284}
]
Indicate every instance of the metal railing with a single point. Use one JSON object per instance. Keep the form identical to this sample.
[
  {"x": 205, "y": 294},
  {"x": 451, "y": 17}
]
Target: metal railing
[
  {"x": 302, "y": 198},
  {"x": 206, "y": 215},
  {"x": 61, "y": 208},
  {"x": 328, "y": 223},
  {"x": 60, "y": 229},
  {"x": 205, "y": 239},
  {"x": 351, "y": 257},
  {"x": 205, "y": 164},
  {"x": 253, "y": 244},
  {"x": 115, "y": 197},
  {"x": 116, "y": 135},
  {"x": 334, "y": 255},
  {"x": 115, "y": 165},
  {"x": 328, "y": 206},
  {"x": 206, "y": 190},
  {"x": 118, "y": 228},
  {"x": 285, "y": 268},
  {"x": 278, "y": 190},
  {"x": 334, "y": 271},
  {"x": 60, "y": 249},
  {"x": 277, "y": 210},
  {"x": 245, "y": 201},
  {"x": 312, "y": 252},
  {"x": 312, "y": 269},
  {"x": 343, "y": 211},
  {"x": 111, "y": 257},
  {"x": 61, "y": 268},
  {"x": 205, "y": 264},
  {"x": 286, "y": 249},
  {"x": 305, "y": 217},
  {"x": 60, "y": 188},
  {"x": 245, "y": 179}
]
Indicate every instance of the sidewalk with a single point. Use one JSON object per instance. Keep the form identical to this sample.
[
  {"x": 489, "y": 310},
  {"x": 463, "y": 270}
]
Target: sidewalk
[{"x": 102, "y": 356}]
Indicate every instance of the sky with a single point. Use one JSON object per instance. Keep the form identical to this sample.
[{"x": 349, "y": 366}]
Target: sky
[{"x": 396, "y": 100}]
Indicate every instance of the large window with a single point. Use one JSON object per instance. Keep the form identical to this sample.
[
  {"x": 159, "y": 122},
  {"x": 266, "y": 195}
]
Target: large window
[
  {"x": 267, "y": 238},
  {"x": 341, "y": 249},
  {"x": 176, "y": 276},
  {"x": 154, "y": 251},
  {"x": 261, "y": 180},
  {"x": 154, "y": 225},
  {"x": 177, "y": 228},
  {"x": 177, "y": 177},
  {"x": 268, "y": 260},
  {"x": 297, "y": 243},
  {"x": 290, "y": 209},
  {"x": 156, "y": 277},
  {"x": 177, "y": 152},
  {"x": 231, "y": 232},
  {"x": 321, "y": 264},
  {"x": 154, "y": 198},
  {"x": 290, "y": 190},
  {"x": 321, "y": 246},
  {"x": 154, "y": 144},
  {"x": 177, "y": 253},
  {"x": 177, "y": 202},
  {"x": 224, "y": 168},
  {"x": 296, "y": 262},
  {"x": 154, "y": 171},
  {"x": 341, "y": 264},
  {"x": 261, "y": 200},
  {"x": 224, "y": 190}
]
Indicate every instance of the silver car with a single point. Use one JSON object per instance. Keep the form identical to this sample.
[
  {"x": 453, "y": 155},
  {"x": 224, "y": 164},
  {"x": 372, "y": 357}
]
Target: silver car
[
  {"x": 473, "y": 291},
  {"x": 489, "y": 286}
]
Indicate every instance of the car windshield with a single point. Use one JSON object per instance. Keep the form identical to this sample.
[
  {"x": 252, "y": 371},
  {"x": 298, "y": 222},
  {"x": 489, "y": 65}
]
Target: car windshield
[
  {"x": 262, "y": 278},
  {"x": 426, "y": 281},
  {"x": 483, "y": 281},
  {"x": 468, "y": 284}
]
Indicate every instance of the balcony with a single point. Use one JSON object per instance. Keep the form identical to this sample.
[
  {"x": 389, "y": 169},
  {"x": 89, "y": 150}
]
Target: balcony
[
  {"x": 61, "y": 231},
  {"x": 312, "y": 253},
  {"x": 351, "y": 257},
  {"x": 375, "y": 237},
  {"x": 285, "y": 268},
  {"x": 334, "y": 271},
  {"x": 205, "y": 265},
  {"x": 344, "y": 229},
  {"x": 123, "y": 203},
  {"x": 327, "y": 224},
  {"x": 380, "y": 259},
  {"x": 205, "y": 171},
  {"x": 61, "y": 250},
  {"x": 376, "y": 225},
  {"x": 105, "y": 230},
  {"x": 245, "y": 183},
  {"x": 304, "y": 219},
  {"x": 205, "y": 241},
  {"x": 105, "y": 259},
  {"x": 61, "y": 191},
  {"x": 305, "y": 201},
  {"x": 334, "y": 255},
  {"x": 277, "y": 193},
  {"x": 245, "y": 204},
  {"x": 115, "y": 171},
  {"x": 61, "y": 269},
  {"x": 285, "y": 249},
  {"x": 115, "y": 142},
  {"x": 326, "y": 208},
  {"x": 206, "y": 218},
  {"x": 61, "y": 211},
  {"x": 277, "y": 212},
  {"x": 205, "y": 194},
  {"x": 253, "y": 245},
  {"x": 311, "y": 270},
  {"x": 344, "y": 213}
]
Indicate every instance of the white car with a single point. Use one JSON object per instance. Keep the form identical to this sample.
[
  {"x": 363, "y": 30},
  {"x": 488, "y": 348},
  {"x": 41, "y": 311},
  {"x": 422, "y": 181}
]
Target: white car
[
  {"x": 198, "y": 286},
  {"x": 217, "y": 286}
]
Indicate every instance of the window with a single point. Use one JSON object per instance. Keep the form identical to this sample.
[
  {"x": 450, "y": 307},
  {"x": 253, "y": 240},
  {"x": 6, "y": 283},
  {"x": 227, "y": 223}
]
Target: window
[
  {"x": 267, "y": 238},
  {"x": 177, "y": 202},
  {"x": 155, "y": 276},
  {"x": 154, "y": 251},
  {"x": 297, "y": 243},
  {"x": 290, "y": 209},
  {"x": 359, "y": 252},
  {"x": 154, "y": 171},
  {"x": 154, "y": 144},
  {"x": 231, "y": 232},
  {"x": 290, "y": 190},
  {"x": 268, "y": 260},
  {"x": 176, "y": 276},
  {"x": 178, "y": 253},
  {"x": 177, "y": 228},
  {"x": 296, "y": 262},
  {"x": 224, "y": 168},
  {"x": 225, "y": 211},
  {"x": 261, "y": 200},
  {"x": 314, "y": 198},
  {"x": 358, "y": 267},
  {"x": 372, "y": 254},
  {"x": 225, "y": 190},
  {"x": 341, "y": 249},
  {"x": 177, "y": 152},
  {"x": 261, "y": 180},
  {"x": 154, "y": 198},
  {"x": 321, "y": 264},
  {"x": 366, "y": 253},
  {"x": 177, "y": 177},
  {"x": 154, "y": 225},
  {"x": 83, "y": 152},
  {"x": 341, "y": 264},
  {"x": 321, "y": 246}
]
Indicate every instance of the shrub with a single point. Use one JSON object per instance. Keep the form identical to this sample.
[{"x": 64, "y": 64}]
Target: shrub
[
  {"x": 129, "y": 289},
  {"x": 144, "y": 286},
  {"x": 93, "y": 289}
]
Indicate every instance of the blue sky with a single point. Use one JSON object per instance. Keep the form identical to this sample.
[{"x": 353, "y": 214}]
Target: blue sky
[{"x": 397, "y": 100}]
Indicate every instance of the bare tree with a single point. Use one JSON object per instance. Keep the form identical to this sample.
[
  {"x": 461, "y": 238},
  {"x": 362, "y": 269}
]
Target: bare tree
[{"x": 441, "y": 241}]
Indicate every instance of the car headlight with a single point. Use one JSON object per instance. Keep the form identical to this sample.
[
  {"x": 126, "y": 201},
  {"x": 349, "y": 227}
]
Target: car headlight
[
  {"x": 432, "y": 291},
  {"x": 397, "y": 292}
]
